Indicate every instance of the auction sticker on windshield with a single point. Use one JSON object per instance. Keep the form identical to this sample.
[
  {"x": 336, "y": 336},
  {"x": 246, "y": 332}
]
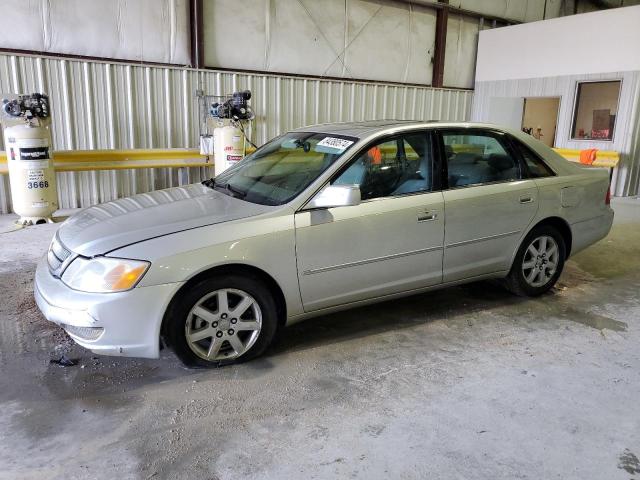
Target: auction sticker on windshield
[{"x": 338, "y": 145}]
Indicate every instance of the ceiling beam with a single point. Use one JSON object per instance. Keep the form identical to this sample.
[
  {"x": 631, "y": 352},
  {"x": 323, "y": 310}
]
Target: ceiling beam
[
  {"x": 196, "y": 31},
  {"x": 462, "y": 11}
]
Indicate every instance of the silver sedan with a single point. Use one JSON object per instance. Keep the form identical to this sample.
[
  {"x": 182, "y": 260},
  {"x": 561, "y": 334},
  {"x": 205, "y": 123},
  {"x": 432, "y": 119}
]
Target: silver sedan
[{"x": 319, "y": 219}]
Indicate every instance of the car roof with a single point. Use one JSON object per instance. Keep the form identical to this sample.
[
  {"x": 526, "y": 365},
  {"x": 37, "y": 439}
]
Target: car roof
[
  {"x": 371, "y": 127},
  {"x": 362, "y": 130}
]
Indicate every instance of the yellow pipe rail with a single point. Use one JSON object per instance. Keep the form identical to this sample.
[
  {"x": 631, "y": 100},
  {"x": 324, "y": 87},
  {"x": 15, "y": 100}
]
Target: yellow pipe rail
[
  {"x": 88, "y": 160},
  {"x": 604, "y": 158}
]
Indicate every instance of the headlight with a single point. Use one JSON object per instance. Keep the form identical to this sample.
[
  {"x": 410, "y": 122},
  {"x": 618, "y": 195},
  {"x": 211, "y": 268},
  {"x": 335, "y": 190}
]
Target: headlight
[{"x": 104, "y": 274}]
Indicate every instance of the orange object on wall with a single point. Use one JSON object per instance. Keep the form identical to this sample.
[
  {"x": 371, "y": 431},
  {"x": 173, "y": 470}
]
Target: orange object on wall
[
  {"x": 376, "y": 155},
  {"x": 587, "y": 157}
]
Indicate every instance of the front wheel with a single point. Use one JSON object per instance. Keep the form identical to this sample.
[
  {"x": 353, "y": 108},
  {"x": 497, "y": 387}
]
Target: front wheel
[
  {"x": 538, "y": 263},
  {"x": 222, "y": 320}
]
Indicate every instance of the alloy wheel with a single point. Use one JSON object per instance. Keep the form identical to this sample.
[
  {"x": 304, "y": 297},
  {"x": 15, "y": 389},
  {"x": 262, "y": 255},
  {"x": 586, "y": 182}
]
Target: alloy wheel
[
  {"x": 223, "y": 325},
  {"x": 540, "y": 261}
]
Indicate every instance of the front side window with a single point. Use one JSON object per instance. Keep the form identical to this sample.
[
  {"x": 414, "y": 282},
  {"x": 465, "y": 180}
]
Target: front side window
[
  {"x": 595, "y": 111},
  {"x": 279, "y": 170},
  {"x": 477, "y": 158},
  {"x": 398, "y": 166}
]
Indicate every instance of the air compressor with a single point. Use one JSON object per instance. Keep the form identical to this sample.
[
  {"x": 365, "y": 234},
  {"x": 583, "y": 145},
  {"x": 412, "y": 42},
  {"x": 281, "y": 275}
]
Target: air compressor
[
  {"x": 27, "y": 138},
  {"x": 228, "y": 146},
  {"x": 229, "y": 115}
]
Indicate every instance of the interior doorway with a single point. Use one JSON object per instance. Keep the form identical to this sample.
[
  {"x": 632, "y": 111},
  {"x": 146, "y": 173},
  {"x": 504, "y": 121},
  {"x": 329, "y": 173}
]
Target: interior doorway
[{"x": 540, "y": 118}]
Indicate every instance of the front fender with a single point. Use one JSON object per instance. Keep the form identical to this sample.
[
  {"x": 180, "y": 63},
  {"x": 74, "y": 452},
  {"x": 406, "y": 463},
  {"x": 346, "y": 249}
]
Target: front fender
[{"x": 266, "y": 243}]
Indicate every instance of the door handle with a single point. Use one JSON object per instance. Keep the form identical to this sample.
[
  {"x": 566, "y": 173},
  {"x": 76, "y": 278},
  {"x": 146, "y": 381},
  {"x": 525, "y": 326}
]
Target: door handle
[
  {"x": 427, "y": 216},
  {"x": 526, "y": 199}
]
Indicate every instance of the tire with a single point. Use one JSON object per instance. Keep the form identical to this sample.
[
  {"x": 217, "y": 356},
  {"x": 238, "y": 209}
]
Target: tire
[
  {"x": 203, "y": 333},
  {"x": 532, "y": 275}
]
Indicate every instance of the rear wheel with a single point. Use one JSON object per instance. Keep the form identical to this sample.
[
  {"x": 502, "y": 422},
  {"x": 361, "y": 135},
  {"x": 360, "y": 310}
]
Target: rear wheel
[
  {"x": 223, "y": 320},
  {"x": 538, "y": 263}
]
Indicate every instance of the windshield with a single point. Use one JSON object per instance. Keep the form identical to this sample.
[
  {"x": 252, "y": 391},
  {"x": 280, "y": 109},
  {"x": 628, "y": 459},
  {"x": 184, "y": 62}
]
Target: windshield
[{"x": 282, "y": 168}]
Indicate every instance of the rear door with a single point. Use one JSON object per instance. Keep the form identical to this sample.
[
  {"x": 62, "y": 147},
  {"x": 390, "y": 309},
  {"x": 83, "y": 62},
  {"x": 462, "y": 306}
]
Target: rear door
[{"x": 488, "y": 203}]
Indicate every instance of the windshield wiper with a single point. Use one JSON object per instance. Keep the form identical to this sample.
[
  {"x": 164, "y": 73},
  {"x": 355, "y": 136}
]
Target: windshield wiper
[
  {"x": 225, "y": 188},
  {"x": 235, "y": 191},
  {"x": 211, "y": 183}
]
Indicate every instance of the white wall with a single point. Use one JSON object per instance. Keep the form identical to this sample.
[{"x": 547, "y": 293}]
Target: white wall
[
  {"x": 505, "y": 111},
  {"x": 136, "y": 30},
  {"x": 605, "y": 41},
  {"x": 549, "y": 58}
]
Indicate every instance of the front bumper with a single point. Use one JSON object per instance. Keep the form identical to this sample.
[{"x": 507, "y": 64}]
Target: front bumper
[{"x": 123, "y": 323}]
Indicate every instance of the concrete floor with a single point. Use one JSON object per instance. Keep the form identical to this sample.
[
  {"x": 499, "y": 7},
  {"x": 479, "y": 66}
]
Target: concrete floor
[{"x": 469, "y": 382}]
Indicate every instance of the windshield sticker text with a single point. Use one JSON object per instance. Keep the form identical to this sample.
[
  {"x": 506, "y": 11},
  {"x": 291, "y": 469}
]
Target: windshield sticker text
[{"x": 338, "y": 144}]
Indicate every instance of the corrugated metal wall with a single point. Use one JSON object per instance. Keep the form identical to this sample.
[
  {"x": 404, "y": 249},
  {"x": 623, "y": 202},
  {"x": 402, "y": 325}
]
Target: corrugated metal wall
[
  {"x": 626, "y": 139},
  {"x": 115, "y": 106}
]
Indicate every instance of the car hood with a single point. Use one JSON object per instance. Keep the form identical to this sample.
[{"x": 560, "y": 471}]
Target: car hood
[{"x": 108, "y": 226}]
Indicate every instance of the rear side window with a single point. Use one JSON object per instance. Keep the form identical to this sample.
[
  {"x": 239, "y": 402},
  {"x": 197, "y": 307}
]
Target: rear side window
[
  {"x": 536, "y": 168},
  {"x": 474, "y": 159}
]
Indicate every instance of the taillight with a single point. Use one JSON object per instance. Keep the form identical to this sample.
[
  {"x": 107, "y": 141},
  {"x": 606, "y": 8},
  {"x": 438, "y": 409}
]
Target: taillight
[{"x": 607, "y": 199}]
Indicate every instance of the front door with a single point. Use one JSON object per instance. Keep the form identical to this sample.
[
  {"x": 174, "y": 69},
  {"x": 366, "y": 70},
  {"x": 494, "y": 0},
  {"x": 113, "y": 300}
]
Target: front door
[
  {"x": 489, "y": 203},
  {"x": 391, "y": 242}
]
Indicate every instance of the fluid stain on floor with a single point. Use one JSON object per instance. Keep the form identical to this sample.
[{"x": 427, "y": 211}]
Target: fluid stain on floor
[
  {"x": 593, "y": 320},
  {"x": 629, "y": 462}
]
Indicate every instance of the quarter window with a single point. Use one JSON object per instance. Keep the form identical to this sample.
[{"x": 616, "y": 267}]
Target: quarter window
[
  {"x": 394, "y": 167},
  {"x": 536, "y": 167},
  {"x": 478, "y": 158}
]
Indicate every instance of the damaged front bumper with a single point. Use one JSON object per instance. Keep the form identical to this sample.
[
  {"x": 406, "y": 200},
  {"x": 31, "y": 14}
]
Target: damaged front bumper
[{"x": 124, "y": 323}]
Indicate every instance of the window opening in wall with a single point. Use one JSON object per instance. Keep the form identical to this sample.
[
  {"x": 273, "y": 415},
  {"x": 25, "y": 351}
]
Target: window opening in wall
[{"x": 595, "y": 110}]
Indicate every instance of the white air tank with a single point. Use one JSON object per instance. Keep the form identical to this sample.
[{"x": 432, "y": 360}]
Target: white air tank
[
  {"x": 31, "y": 172},
  {"x": 228, "y": 145}
]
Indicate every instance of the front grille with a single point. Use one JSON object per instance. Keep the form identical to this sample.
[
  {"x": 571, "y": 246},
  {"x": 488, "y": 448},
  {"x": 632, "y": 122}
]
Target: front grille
[
  {"x": 57, "y": 256},
  {"x": 84, "y": 333}
]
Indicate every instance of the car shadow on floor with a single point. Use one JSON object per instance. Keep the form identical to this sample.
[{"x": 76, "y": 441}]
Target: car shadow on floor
[
  {"x": 593, "y": 275},
  {"x": 446, "y": 304}
]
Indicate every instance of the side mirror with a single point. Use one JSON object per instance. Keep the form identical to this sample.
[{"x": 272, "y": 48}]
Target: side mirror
[{"x": 336, "y": 196}]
